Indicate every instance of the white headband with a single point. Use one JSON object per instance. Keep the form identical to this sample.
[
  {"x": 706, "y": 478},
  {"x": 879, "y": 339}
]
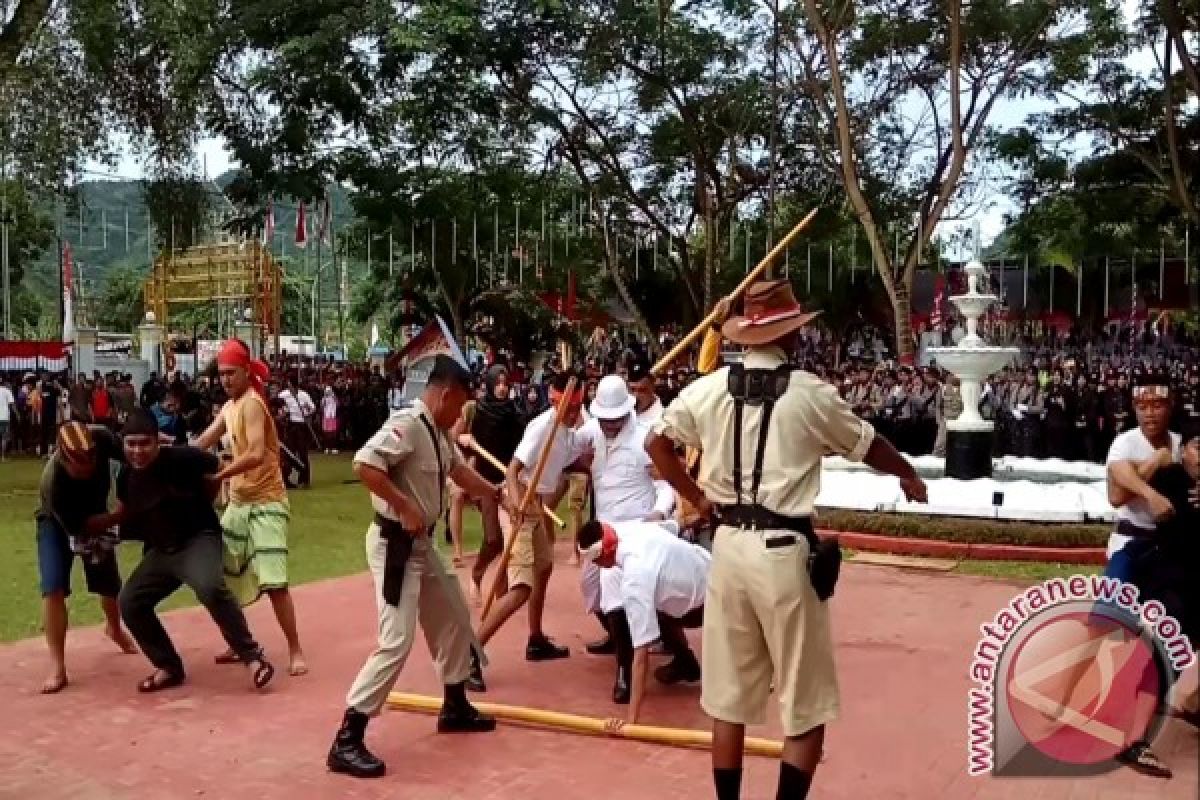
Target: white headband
[{"x": 594, "y": 550}]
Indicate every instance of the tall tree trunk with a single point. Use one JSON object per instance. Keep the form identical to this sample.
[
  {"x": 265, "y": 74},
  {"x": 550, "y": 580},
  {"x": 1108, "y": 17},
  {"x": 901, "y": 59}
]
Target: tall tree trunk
[
  {"x": 613, "y": 267},
  {"x": 902, "y": 312},
  {"x": 711, "y": 242}
]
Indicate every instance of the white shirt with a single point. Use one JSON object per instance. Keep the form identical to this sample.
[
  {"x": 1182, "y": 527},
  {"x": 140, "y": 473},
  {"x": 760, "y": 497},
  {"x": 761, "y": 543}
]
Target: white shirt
[
  {"x": 621, "y": 474},
  {"x": 659, "y": 572},
  {"x": 299, "y": 405},
  {"x": 7, "y": 401},
  {"x": 563, "y": 452},
  {"x": 652, "y": 414},
  {"x": 1132, "y": 445}
]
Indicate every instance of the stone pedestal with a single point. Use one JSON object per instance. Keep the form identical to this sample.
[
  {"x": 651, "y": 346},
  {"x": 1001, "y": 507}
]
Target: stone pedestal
[
  {"x": 85, "y": 351},
  {"x": 248, "y": 332},
  {"x": 150, "y": 335},
  {"x": 969, "y": 454}
]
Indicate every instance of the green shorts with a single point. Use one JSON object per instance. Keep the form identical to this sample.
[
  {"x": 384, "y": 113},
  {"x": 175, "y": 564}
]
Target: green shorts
[{"x": 255, "y": 548}]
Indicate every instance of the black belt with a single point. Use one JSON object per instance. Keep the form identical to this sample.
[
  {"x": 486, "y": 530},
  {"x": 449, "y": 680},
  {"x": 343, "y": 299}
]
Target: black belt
[
  {"x": 757, "y": 517},
  {"x": 1127, "y": 528}
]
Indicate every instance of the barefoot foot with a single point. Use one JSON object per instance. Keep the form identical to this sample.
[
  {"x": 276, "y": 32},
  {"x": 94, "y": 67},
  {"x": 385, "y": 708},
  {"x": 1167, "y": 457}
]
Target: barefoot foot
[
  {"x": 122, "y": 640},
  {"x": 55, "y": 683},
  {"x": 297, "y": 666}
]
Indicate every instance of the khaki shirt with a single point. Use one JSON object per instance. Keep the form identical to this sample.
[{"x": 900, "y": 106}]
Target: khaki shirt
[
  {"x": 810, "y": 420},
  {"x": 402, "y": 448}
]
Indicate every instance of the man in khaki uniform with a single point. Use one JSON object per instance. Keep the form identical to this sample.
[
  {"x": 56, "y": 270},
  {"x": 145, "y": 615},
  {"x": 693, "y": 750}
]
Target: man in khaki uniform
[
  {"x": 405, "y": 467},
  {"x": 763, "y": 617}
]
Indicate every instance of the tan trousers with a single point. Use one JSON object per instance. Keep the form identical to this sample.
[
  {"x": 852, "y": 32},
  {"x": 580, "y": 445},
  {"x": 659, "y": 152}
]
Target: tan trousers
[
  {"x": 762, "y": 620},
  {"x": 423, "y": 598}
]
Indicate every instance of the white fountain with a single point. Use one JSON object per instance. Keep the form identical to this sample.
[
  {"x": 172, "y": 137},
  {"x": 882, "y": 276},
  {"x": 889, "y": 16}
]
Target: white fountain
[{"x": 969, "y": 437}]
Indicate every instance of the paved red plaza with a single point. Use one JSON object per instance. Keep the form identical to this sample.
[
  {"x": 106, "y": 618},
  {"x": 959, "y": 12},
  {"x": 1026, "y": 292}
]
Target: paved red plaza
[{"x": 904, "y": 645}]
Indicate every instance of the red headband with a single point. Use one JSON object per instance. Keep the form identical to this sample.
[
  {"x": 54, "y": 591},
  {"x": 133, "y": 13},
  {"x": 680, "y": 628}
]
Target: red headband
[{"x": 235, "y": 353}]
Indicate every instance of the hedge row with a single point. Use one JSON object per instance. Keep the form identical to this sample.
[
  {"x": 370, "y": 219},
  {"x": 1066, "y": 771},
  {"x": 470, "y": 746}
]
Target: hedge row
[{"x": 967, "y": 530}]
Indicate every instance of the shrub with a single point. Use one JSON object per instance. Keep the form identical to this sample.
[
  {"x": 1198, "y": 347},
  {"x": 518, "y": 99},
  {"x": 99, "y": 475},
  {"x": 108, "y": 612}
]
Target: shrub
[{"x": 966, "y": 530}]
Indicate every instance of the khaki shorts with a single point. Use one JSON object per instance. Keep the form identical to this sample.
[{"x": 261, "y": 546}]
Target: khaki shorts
[
  {"x": 533, "y": 551},
  {"x": 762, "y": 620}
]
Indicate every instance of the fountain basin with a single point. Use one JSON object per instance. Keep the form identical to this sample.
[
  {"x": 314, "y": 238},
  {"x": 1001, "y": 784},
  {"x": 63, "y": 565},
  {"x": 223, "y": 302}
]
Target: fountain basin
[
  {"x": 972, "y": 362},
  {"x": 1030, "y": 490}
]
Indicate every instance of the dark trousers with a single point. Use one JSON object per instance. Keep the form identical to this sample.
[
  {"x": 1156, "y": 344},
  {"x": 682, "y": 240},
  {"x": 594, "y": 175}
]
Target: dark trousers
[
  {"x": 49, "y": 431},
  {"x": 198, "y": 565},
  {"x": 298, "y": 441},
  {"x": 493, "y": 538},
  {"x": 670, "y": 629}
]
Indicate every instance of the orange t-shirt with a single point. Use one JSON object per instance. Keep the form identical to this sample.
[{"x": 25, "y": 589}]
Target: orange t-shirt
[{"x": 264, "y": 483}]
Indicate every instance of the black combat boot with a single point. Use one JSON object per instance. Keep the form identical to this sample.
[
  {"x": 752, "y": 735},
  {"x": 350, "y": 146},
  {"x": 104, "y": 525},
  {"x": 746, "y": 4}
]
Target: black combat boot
[
  {"x": 459, "y": 716},
  {"x": 348, "y": 754}
]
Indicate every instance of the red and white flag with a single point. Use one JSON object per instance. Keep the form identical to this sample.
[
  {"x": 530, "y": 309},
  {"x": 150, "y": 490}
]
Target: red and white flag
[
  {"x": 301, "y": 228},
  {"x": 68, "y": 283},
  {"x": 269, "y": 224}
]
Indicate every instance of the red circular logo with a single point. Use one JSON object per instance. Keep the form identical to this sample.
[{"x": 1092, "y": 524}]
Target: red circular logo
[{"x": 1083, "y": 686}]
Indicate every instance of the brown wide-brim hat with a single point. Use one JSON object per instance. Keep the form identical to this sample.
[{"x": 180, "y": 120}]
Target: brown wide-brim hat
[{"x": 770, "y": 312}]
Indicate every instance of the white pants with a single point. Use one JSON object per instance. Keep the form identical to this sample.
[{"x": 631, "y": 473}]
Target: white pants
[{"x": 601, "y": 588}]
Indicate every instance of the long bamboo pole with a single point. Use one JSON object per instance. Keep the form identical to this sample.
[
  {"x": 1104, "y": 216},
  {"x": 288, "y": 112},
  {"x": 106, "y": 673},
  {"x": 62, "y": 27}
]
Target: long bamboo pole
[
  {"x": 498, "y": 464},
  {"x": 575, "y": 723},
  {"x": 751, "y": 277},
  {"x": 530, "y": 492}
]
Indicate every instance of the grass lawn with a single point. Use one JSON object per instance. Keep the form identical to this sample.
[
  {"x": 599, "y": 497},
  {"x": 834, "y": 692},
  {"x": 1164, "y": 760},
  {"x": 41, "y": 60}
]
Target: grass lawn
[
  {"x": 1028, "y": 572},
  {"x": 326, "y": 540}
]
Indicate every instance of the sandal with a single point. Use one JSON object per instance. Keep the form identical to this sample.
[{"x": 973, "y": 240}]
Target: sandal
[
  {"x": 1140, "y": 758},
  {"x": 263, "y": 673},
  {"x": 228, "y": 657},
  {"x": 154, "y": 684}
]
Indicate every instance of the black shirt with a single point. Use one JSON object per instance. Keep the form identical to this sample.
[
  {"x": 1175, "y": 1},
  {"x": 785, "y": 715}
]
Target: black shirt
[{"x": 168, "y": 503}]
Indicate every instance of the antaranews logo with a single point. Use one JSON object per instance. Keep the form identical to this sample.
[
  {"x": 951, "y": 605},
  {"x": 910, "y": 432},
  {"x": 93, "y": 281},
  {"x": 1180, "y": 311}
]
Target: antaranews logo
[{"x": 1069, "y": 674}]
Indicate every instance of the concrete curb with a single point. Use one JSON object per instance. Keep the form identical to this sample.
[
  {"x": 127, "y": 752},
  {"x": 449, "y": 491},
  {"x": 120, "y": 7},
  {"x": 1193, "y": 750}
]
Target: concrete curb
[{"x": 933, "y": 548}]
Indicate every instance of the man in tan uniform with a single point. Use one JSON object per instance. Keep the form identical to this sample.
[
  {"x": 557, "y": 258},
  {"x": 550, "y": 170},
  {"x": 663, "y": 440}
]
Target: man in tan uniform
[
  {"x": 763, "y": 427},
  {"x": 405, "y": 467}
]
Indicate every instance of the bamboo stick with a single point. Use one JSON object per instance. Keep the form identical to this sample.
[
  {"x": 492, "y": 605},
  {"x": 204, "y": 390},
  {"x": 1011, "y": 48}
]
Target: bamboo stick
[
  {"x": 530, "y": 492},
  {"x": 495, "y": 462},
  {"x": 593, "y": 726},
  {"x": 751, "y": 277}
]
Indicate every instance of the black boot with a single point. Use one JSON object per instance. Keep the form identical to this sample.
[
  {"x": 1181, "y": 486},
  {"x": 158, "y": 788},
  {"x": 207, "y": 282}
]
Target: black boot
[
  {"x": 348, "y": 754},
  {"x": 605, "y": 646},
  {"x": 459, "y": 716},
  {"x": 540, "y": 648},
  {"x": 475, "y": 678},
  {"x": 621, "y": 688},
  {"x": 684, "y": 668}
]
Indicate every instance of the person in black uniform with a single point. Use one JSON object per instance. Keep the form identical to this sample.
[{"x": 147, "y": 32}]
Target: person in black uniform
[
  {"x": 1060, "y": 411},
  {"x": 1084, "y": 415}
]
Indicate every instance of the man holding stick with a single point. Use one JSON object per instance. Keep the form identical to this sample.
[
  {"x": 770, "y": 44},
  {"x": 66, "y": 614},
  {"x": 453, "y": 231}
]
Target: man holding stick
[
  {"x": 551, "y": 445},
  {"x": 405, "y": 466},
  {"x": 763, "y": 427}
]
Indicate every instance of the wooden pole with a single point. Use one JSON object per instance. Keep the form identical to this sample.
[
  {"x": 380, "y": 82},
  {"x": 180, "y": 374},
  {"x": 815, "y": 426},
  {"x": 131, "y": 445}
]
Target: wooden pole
[
  {"x": 750, "y": 278},
  {"x": 530, "y": 492},
  {"x": 498, "y": 464},
  {"x": 574, "y": 723}
]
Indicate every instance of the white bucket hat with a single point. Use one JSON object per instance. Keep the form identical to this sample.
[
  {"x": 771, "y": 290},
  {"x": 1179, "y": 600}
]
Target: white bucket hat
[{"x": 613, "y": 400}]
